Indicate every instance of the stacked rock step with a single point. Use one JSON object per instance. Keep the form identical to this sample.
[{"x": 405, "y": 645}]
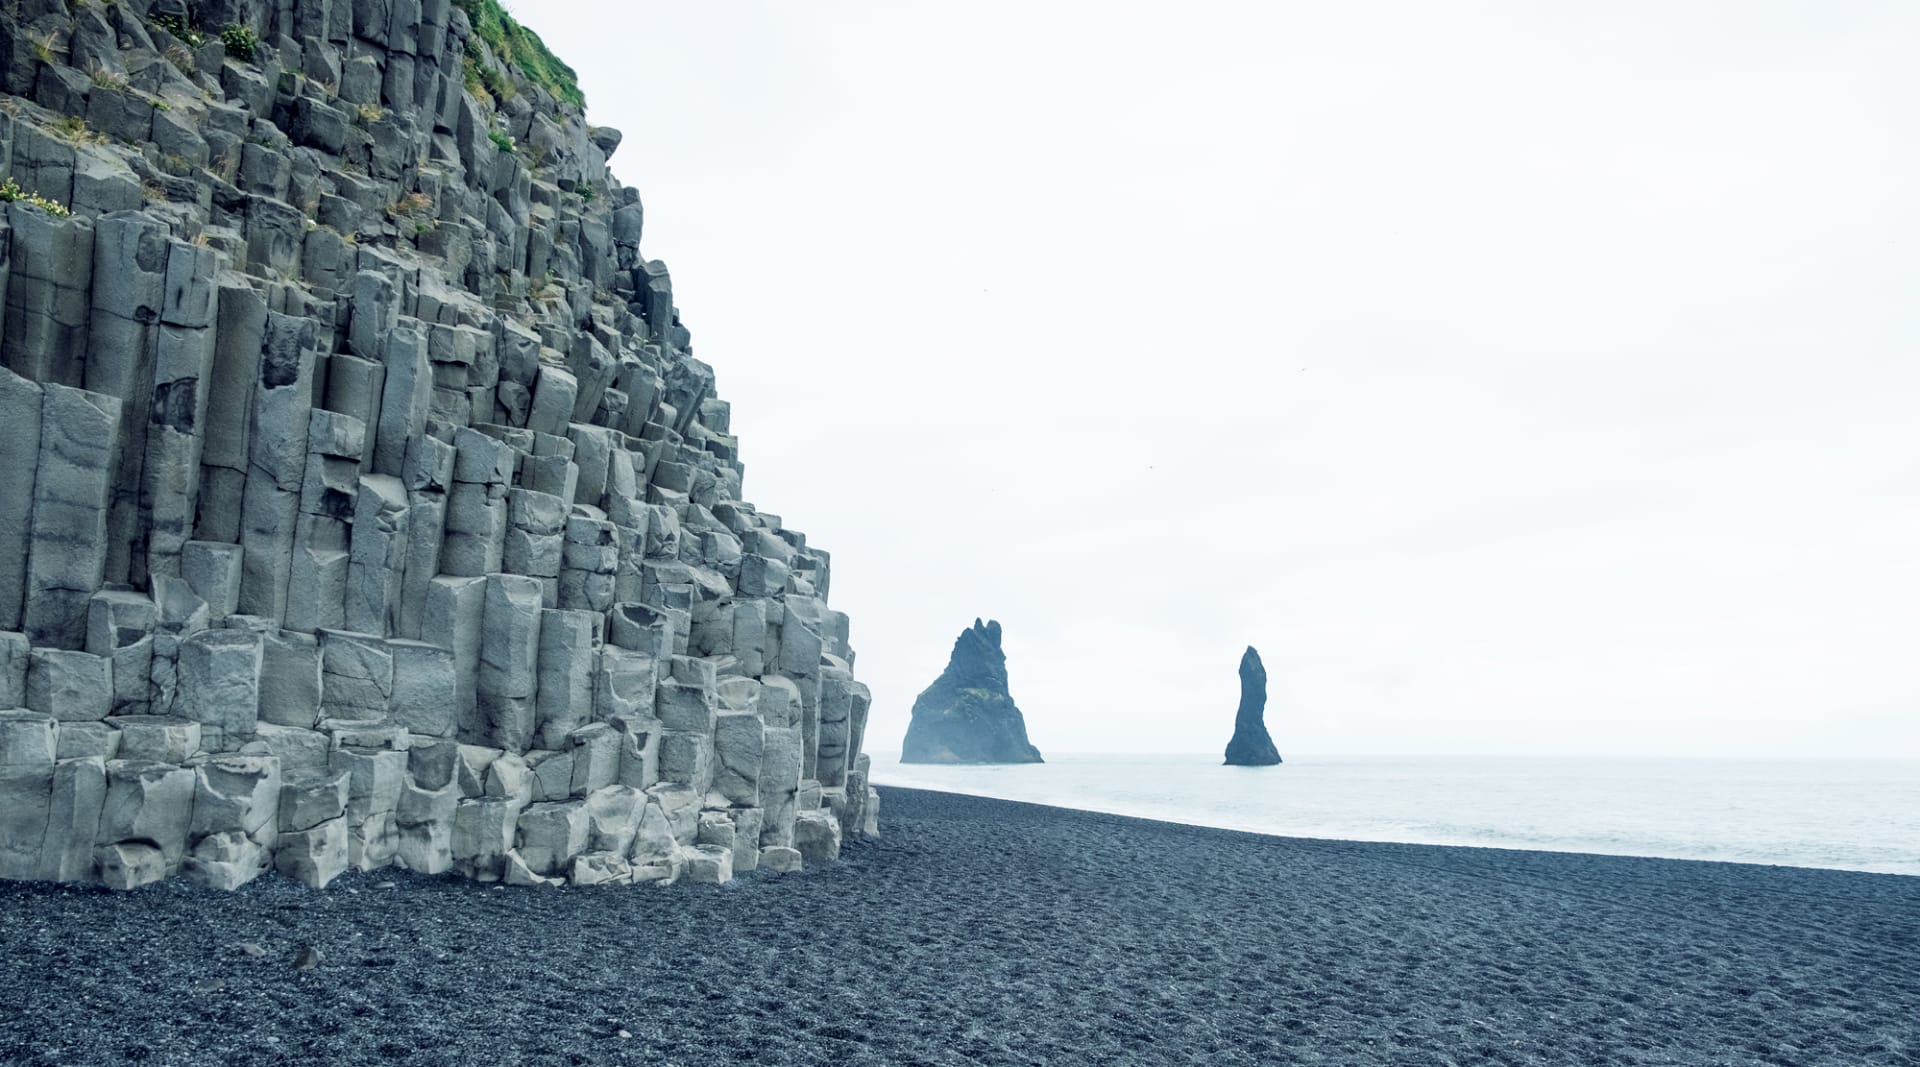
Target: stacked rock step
[{"x": 368, "y": 504}]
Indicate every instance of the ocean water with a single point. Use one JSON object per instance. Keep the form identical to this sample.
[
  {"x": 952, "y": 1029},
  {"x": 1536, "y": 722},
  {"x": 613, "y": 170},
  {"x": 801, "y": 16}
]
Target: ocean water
[{"x": 1861, "y": 814}]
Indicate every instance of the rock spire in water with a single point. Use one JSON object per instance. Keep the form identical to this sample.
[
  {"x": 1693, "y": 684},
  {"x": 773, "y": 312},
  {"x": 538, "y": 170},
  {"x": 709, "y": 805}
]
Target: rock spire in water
[
  {"x": 967, "y": 715},
  {"x": 1252, "y": 746}
]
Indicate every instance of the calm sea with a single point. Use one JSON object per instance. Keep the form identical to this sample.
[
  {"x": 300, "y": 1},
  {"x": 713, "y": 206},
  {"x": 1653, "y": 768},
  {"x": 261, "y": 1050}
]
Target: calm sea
[{"x": 1861, "y": 815}]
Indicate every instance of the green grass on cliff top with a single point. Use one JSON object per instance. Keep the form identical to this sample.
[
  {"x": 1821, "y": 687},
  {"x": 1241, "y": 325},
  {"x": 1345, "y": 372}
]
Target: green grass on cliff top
[{"x": 520, "y": 46}]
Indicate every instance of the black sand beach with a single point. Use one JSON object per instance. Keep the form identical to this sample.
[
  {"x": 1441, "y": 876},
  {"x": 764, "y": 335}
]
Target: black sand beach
[{"x": 1060, "y": 938}]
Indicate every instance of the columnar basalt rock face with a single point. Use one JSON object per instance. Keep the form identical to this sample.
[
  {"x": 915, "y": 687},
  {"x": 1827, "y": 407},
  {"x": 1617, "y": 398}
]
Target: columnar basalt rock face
[
  {"x": 968, "y": 715},
  {"x": 1251, "y": 745},
  {"x": 366, "y": 504}
]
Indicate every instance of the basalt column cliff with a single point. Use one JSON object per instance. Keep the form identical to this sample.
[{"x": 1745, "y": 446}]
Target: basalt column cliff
[{"x": 361, "y": 501}]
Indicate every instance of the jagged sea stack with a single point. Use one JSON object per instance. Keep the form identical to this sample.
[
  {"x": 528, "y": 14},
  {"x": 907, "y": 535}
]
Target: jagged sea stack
[
  {"x": 364, "y": 503},
  {"x": 967, "y": 715},
  {"x": 1252, "y": 746}
]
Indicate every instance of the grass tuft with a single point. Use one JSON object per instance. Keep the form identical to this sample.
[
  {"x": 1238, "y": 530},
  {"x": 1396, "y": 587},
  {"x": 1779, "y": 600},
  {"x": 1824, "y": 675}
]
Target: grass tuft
[
  {"x": 521, "y": 47},
  {"x": 10, "y": 191}
]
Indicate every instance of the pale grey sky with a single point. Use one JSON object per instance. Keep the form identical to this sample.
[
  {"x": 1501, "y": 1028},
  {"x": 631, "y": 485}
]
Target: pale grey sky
[{"x": 1518, "y": 377}]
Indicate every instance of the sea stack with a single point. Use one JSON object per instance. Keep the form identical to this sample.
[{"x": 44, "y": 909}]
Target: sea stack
[
  {"x": 1252, "y": 746},
  {"x": 967, "y": 715}
]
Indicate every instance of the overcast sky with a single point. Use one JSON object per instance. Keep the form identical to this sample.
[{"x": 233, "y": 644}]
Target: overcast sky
[{"x": 1518, "y": 377}]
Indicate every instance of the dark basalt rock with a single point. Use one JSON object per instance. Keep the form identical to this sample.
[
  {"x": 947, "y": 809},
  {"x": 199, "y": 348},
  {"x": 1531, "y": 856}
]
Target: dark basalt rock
[
  {"x": 1252, "y": 746},
  {"x": 967, "y": 715}
]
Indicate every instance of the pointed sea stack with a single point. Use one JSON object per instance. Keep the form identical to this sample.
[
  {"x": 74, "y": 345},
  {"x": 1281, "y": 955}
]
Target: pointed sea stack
[
  {"x": 967, "y": 715},
  {"x": 1251, "y": 745}
]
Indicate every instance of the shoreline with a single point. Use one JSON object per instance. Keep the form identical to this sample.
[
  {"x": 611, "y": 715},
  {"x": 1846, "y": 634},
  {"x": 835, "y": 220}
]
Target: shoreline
[
  {"x": 982, "y": 931},
  {"x": 891, "y": 789},
  {"x": 1851, "y": 815}
]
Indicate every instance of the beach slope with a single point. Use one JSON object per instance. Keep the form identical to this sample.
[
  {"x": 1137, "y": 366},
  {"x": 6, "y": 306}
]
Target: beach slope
[{"x": 986, "y": 932}]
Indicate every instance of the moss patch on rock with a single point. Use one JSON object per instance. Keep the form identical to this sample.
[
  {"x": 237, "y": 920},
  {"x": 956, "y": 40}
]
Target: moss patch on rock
[{"x": 521, "y": 47}]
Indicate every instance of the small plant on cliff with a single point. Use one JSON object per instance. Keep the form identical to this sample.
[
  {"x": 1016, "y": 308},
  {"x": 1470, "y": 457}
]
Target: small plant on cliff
[
  {"x": 585, "y": 193},
  {"x": 483, "y": 78},
  {"x": 240, "y": 42},
  {"x": 500, "y": 140},
  {"x": 10, "y": 191},
  {"x": 543, "y": 290},
  {"x": 75, "y": 129},
  {"x": 180, "y": 28},
  {"x": 105, "y": 77},
  {"x": 43, "y": 48},
  {"x": 410, "y": 206},
  {"x": 371, "y": 113},
  {"x": 522, "y": 48},
  {"x": 182, "y": 59}
]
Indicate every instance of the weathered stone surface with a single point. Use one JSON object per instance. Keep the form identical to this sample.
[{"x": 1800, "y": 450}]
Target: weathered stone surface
[
  {"x": 817, "y": 835},
  {"x": 711, "y": 864},
  {"x": 1251, "y": 745},
  {"x": 687, "y": 759},
  {"x": 746, "y": 838},
  {"x": 596, "y": 758},
  {"x": 81, "y": 740},
  {"x": 129, "y": 865},
  {"x": 613, "y": 818},
  {"x": 455, "y": 615},
  {"x": 601, "y": 868},
  {"x": 508, "y": 678},
  {"x": 213, "y": 572},
  {"x": 26, "y": 799},
  {"x": 226, "y": 860},
  {"x": 313, "y": 857},
  {"x": 483, "y": 833},
  {"x": 552, "y": 774},
  {"x": 624, "y": 684},
  {"x": 20, "y": 406},
  {"x": 738, "y": 741},
  {"x": 148, "y": 802},
  {"x": 780, "y": 859},
  {"x": 70, "y": 686},
  {"x": 290, "y": 678},
  {"x": 238, "y": 794},
  {"x": 780, "y": 767},
  {"x": 16, "y": 653},
  {"x": 73, "y": 818},
  {"x": 551, "y": 834},
  {"x": 379, "y": 555},
  {"x": 371, "y": 507},
  {"x": 157, "y": 738},
  {"x": 220, "y": 686},
  {"x": 28, "y": 740},
  {"x": 72, "y": 488},
  {"x": 120, "y": 626},
  {"x": 425, "y": 688},
  {"x": 967, "y": 714},
  {"x": 569, "y": 651},
  {"x": 308, "y": 802}
]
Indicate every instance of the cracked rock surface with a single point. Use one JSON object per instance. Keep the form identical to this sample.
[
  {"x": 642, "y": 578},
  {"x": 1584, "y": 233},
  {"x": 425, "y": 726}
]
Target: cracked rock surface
[{"x": 366, "y": 504}]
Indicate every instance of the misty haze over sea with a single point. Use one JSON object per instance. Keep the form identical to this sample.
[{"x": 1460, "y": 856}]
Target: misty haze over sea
[{"x": 1851, "y": 814}]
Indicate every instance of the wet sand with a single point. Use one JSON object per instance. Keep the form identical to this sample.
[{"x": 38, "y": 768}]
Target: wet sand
[{"x": 990, "y": 932}]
